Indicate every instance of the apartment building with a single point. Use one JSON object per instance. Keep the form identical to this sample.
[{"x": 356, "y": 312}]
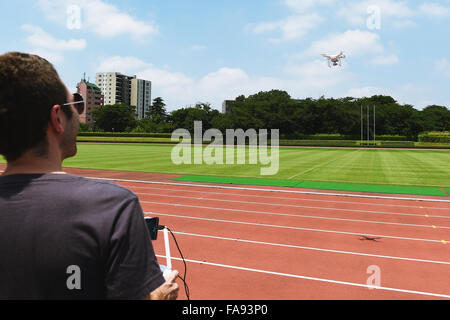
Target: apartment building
[
  {"x": 119, "y": 88},
  {"x": 141, "y": 96},
  {"x": 93, "y": 98},
  {"x": 226, "y": 106}
]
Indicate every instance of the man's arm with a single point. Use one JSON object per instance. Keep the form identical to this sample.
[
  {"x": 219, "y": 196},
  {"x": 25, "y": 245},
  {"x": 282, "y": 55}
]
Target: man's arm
[{"x": 132, "y": 269}]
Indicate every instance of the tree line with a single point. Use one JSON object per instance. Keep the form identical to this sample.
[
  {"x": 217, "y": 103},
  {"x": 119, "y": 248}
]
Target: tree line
[{"x": 278, "y": 110}]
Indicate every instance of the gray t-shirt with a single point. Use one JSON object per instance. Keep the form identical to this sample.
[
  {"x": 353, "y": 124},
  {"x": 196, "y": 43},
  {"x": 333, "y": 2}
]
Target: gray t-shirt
[{"x": 68, "y": 237}]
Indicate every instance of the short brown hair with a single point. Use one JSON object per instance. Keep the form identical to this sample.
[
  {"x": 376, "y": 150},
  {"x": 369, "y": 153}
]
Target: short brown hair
[{"x": 29, "y": 87}]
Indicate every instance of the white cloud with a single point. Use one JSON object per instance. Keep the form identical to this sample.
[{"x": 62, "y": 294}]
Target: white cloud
[
  {"x": 295, "y": 25},
  {"x": 386, "y": 60},
  {"x": 397, "y": 13},
  {"x": 165, "y": 78},
  {"x": 144, "y": 70},
  {"x": 121, "y": 64},
  {"x": 434, "y": 9},
  {"x": 47, "y": 46},
  {"x": 404, "y": 24},
  {"x": 352, "y": 42},
  {"x": 291, "y": 28},
  {"x": 356, "y": 12},
  {"x": 443, "y": 66},
  {"x": 199, "y": 47},
  {"x": 99, "y": 17},
  {"x": 222, "y": 78},
  {"x": 314, "y": 78},
  {"x": 368, "y": 92},
  {"x": 304, "y": 5},
  {"x": 417, "y": 95},
  {"x": 38, "y": 38}
]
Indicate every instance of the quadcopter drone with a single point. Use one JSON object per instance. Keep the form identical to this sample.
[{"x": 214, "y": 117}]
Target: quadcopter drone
[{"x": 334, "y": 60}]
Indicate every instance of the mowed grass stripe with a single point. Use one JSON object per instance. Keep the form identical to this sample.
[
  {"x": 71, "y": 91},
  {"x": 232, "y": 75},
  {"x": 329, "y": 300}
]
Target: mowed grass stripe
[
  {"x": 333, "y": 161},
  {"x": 425, "y": 191}
]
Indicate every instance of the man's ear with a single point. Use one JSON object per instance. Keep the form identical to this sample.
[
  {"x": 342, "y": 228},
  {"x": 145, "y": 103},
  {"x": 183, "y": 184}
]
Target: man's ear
[{"x": 56, "y": 119}]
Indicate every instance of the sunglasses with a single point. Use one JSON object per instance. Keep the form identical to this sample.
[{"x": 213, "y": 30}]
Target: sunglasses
[{"x": 78, "y": 103}]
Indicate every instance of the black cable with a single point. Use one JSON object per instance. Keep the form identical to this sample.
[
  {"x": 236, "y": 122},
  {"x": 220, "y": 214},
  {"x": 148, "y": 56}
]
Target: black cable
[{"x": 186, "y": 287}]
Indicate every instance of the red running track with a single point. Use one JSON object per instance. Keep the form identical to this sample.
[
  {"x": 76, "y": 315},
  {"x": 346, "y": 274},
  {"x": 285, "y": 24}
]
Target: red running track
[{"x": 253, "y": 244}]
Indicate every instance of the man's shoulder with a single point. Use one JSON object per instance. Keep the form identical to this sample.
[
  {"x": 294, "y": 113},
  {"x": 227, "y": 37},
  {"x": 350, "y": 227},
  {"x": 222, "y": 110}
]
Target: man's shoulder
[
  {"x": 67, "y": 185},
  {"x": 99, "y": 187}
]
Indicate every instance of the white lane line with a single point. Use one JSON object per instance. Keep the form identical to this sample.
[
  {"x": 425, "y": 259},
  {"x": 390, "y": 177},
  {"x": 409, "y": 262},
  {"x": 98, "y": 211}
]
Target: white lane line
[
  {"x": 312, "y": 248},
  {"x": 295, "y": 215},
  {"x": 312, "y": 278},
  {"x": 274, "y": 190},
  {"x": 286, "y": 198},
  {"x": 291, "y": 205},
  {"x": 293, "y": 228}
]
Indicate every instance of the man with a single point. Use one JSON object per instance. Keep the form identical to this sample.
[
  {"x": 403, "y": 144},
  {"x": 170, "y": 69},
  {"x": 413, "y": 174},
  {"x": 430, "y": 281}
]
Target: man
[{"x": 63, "y": 236}]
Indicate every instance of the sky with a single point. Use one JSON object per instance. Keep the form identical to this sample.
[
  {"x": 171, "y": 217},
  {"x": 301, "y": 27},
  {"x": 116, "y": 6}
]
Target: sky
[{"x": 211, "y": 51}]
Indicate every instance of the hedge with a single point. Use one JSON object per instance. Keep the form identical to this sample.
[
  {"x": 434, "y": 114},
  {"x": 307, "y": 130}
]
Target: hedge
[
  {"x": 435, "y": 137},
  {"x": 125, "y": 134},
  {"x": 334, "y": 137},
  {"x": 319, "y": 143},
  {"x": 316, "y": 137},
  {"x": 397, "y": 144}
]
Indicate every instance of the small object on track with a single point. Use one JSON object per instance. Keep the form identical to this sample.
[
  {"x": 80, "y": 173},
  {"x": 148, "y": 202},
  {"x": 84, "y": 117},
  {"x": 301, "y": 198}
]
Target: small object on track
[{"x": 366, "y": 238}]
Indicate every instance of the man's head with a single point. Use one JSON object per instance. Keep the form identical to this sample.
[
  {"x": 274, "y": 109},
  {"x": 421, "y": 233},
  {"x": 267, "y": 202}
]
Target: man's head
[{"x": 32, "y": 111}]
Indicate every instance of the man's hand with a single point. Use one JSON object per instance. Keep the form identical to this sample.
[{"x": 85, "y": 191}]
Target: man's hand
[{"x": 169, "y": 290}]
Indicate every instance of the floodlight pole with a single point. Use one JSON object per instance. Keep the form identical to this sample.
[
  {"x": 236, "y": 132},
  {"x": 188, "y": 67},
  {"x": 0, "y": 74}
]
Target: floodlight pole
[
  {"x": 362, "y": 124},
  {"x": 374, "y": 125},
  {"x": 368, "y": 125}
]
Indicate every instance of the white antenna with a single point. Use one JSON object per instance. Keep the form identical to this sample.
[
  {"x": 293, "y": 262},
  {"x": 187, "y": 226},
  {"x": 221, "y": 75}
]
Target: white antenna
[{"x": 167, "y": 246}]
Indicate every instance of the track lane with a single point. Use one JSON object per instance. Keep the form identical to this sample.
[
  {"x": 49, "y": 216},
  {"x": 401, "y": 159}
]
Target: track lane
[
  {"x": 265, "y": 205},
  {"x": 408, "y": 207},
  {"x": 316, "y": 239},
  {"x": 316, "y": 265},
  {"x": 238, "y": 283},
  {"x": 427, "y": 233},
  {"x": 426, "y": 221}
]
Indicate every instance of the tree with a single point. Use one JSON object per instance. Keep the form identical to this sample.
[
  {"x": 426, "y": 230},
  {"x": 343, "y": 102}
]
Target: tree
[
  {"x": 115, "y": 118},
  {"x": 157, "y": 111},
  {"x": 85, "y": 127},
  {"x": 185, "y": 117},
  {"x": 436, "y": 118},
  {"x": 275, "y": 109}
]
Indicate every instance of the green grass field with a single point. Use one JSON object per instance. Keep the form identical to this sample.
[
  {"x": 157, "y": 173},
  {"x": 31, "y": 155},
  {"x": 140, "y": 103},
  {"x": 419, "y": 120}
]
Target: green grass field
[
  {"x": 423, "y": 168},
  {"x": 391, "y": 167}
]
